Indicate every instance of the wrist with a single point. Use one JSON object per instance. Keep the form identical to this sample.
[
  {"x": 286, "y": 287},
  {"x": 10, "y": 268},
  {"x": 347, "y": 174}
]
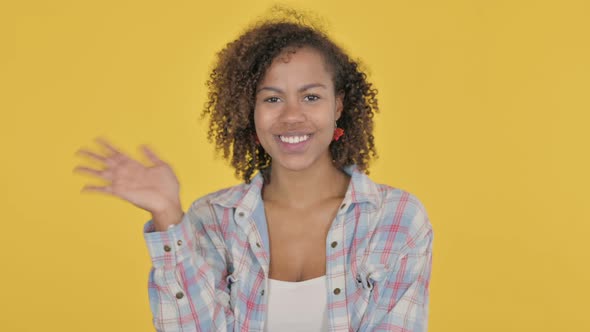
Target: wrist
[{"x": 167, "y": 218}]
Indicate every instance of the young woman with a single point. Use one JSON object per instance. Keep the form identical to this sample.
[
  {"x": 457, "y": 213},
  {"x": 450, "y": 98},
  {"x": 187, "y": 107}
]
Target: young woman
[{"x": 309, "y": 242}]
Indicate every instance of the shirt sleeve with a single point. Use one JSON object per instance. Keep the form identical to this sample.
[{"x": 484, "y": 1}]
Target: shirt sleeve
[
  {"x": 402, "y": 300},
  {"x": 186, "y": 285}
]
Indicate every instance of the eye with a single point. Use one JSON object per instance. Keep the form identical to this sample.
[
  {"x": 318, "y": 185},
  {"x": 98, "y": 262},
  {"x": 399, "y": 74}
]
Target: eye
[
  {"x": 312, "y": 97},
  {"x": 271, "y": 100}
]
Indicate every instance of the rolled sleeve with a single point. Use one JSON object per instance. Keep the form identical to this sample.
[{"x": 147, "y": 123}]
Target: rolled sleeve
[
  {"x": 186, "y": 285},
  {"x": 168, "y": 248}
]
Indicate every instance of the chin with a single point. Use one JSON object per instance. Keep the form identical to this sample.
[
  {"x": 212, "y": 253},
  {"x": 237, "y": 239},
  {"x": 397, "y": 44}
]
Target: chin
[{"x": 294, "y": 164}]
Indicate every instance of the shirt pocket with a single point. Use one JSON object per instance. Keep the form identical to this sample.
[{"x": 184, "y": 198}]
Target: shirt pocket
[
  {"x": 368, "y": 276},
  {"x": 233, "y": 282}
]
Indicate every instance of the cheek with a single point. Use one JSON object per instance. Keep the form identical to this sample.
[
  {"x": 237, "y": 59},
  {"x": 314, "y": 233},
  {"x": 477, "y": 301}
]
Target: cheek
[
  {"x": 262, "y": 120},
  {"x": 256, "y": 121},
  {"x": 325, "y": 120}
]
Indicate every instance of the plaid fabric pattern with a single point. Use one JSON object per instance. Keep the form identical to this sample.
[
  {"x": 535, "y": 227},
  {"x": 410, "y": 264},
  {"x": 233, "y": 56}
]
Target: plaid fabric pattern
[{"x": 209, "y": 272}]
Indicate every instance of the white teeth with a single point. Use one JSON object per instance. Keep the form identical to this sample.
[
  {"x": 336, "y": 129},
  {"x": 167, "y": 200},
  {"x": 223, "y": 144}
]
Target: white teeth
[{"x": 294, "y": 139}]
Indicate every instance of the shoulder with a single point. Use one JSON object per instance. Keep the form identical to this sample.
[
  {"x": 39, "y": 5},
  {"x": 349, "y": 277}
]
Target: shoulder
[
  {"x": 225, "y": 197},
  {"x": 400, "y": 201},
  {"x": 402, "y": 218}
]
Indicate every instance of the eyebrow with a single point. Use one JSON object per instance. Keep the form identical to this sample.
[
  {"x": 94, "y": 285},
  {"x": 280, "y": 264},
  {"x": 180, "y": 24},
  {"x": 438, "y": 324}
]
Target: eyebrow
[{"x": 303, "y": 88}]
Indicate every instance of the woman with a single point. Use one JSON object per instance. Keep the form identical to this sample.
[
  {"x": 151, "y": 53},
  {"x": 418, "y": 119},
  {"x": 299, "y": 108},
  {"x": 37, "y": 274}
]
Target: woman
[{"x": 309, "y": 243}]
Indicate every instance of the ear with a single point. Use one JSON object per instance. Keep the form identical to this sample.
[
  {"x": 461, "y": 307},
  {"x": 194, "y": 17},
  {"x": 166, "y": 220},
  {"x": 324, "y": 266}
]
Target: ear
[{"x": 339, "y": 104}]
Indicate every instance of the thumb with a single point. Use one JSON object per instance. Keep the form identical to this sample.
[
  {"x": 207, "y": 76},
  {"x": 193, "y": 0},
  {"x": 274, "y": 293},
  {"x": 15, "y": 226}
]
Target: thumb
[{"x": 151, "y": 155}]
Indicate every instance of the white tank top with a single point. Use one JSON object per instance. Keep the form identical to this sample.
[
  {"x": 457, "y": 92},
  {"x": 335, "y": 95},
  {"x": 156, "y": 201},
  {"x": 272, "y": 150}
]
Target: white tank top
[{"x": 297, "y": 306}]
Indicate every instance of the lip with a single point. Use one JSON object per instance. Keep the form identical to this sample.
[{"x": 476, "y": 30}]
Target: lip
[
  {"x": 295, "y": 133},
  {"x": 293, "y": 147}
]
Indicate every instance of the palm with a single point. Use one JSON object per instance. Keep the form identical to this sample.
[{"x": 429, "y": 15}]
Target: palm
[{"x": 153, "y": 188}]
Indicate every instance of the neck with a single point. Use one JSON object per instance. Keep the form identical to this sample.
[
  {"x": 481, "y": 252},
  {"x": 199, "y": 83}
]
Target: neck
[{"x": 305, "y": 188}]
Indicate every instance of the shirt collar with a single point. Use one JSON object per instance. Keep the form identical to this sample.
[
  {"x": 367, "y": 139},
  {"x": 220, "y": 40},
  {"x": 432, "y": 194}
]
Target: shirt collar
[{"x": 246, "y": 196}]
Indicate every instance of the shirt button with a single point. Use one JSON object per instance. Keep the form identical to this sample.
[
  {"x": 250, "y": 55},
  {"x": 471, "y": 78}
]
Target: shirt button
[
  {"x": 241, "y": 214},
  {"x": 336, "y": 291},
  {"x": 258, "y": 244},
  {"x": 167, "y": 248},
  {"x": 262, "y": 292},
  {"x": 342, "y": 206},
  {"x": 179, "y": 295},
  {"x": 334, "y": 244},
  {"x": 179, "y": 242}
]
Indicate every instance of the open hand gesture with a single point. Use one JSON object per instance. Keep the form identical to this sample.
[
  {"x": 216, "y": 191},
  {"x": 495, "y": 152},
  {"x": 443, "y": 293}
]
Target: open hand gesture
[{"x": 153, "y": 188}]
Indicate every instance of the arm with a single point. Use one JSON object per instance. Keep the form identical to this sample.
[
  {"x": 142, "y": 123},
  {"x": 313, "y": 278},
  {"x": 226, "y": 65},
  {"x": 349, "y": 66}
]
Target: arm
[
  {"x": 403, "y": 297},
  {"x": 186, "y": 286}
]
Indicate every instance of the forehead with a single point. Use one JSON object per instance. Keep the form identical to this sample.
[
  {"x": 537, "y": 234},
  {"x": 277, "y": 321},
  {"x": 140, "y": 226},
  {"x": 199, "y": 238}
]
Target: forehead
[{"x": 298, "y": 65}]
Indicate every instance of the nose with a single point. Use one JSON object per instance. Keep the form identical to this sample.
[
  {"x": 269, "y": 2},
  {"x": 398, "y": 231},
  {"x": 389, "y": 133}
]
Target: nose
[{"x": 292, "y": 112}]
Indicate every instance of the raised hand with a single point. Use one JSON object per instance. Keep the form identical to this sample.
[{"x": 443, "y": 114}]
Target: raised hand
[{"x": 153, "y": 188}]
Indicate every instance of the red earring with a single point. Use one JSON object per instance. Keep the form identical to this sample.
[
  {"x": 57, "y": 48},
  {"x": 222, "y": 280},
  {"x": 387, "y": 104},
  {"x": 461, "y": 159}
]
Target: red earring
[{"x": 338, "y": 132}]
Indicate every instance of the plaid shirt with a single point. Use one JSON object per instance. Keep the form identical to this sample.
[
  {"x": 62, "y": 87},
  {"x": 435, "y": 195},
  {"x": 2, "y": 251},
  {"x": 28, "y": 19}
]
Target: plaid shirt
[{"x": 210, "y": 271}]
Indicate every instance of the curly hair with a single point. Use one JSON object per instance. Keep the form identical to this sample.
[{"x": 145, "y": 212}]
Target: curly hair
[{"x": 243, "y": 63}]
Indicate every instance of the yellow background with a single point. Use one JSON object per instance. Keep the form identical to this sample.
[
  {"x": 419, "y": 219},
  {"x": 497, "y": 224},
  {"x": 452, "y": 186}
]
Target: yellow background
[{"x": 484, "y": 118}]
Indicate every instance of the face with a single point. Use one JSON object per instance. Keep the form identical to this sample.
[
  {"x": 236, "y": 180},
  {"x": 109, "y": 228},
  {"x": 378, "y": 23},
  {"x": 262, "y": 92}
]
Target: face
[{"x": 296, "y": 109}]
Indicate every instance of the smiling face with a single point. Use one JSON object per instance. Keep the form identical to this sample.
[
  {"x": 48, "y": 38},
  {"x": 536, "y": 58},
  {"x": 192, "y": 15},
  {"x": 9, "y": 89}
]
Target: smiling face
[{"x": 296, "y": 109}]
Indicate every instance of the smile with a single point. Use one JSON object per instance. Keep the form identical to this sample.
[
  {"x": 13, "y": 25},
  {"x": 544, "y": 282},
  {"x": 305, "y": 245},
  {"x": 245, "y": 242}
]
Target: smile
[{"x": 293, "y": 139}]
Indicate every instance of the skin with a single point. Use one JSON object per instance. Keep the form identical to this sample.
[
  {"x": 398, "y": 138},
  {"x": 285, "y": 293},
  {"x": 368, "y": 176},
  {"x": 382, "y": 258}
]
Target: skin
[
  {"x": 153, "y": 187},
  {"x": 297, "y": 95}
]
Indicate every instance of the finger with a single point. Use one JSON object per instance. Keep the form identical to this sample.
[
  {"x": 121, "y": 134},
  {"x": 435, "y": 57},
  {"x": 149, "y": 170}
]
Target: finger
[
  {"x": 108, "y": 145},
  {"x": 151, "y": 155},
  {"x": 105, "y": 174},
  {"x": 116, "y": 156},
  {"x": 103, "y": 189},
  {"x": 91, "y": 155}
]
